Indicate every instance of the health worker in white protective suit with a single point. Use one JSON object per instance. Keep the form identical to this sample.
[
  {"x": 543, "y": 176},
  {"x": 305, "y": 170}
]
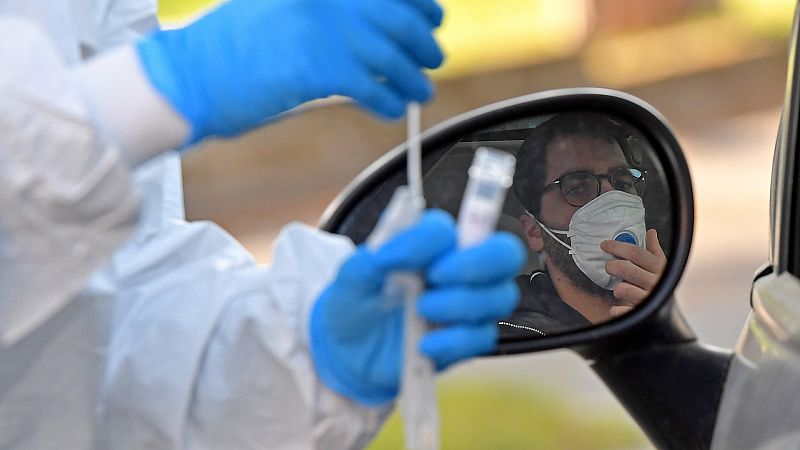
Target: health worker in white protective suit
[{"x": 181, "y": 340}]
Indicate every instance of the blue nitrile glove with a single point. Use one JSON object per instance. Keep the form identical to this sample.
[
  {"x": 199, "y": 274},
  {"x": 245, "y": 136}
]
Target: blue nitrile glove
[
  {"x": 357, "y": 339},
  {"x": 248, "y": 61}
]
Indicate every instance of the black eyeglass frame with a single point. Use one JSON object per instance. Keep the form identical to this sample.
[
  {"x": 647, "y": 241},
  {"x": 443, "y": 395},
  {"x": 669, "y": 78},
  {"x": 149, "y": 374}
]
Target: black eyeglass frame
[{"x": 640, "y": 185}]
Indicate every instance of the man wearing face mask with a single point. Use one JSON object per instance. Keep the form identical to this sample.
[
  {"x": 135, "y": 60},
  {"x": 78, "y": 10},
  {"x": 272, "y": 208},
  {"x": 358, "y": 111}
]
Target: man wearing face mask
[{"x": 586, "y": 220}]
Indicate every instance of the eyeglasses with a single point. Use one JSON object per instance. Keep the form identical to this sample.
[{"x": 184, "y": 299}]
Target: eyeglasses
[{"x": 579, "y": 188}]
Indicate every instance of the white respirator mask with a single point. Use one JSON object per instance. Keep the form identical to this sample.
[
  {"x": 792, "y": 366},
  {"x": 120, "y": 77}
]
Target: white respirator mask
[{"x": 615, "y": 215}]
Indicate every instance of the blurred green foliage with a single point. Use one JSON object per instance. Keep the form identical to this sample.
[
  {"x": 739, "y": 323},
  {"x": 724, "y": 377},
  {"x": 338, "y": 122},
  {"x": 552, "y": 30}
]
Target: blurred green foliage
[
  {"x": 504, "y": 415},
  {"x": 768, "y": 18},
  {"x": 533, "y": 31},
  {"x": 177, "y": 10}
]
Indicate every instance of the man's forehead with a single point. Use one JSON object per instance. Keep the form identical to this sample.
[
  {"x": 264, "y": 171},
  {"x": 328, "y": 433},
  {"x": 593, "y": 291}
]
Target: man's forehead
[{"x": 577, "y": 152}]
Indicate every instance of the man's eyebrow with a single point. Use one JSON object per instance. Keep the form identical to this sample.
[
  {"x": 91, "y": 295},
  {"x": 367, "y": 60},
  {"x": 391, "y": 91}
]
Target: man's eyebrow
[
  {"x": 621, "y": 166},
  {"x": 571, "y": 171}
]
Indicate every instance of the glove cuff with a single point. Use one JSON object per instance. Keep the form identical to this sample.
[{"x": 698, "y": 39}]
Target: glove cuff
[
  {"x": 156, "y": 55},
  {"x": 330, "y": 367}
]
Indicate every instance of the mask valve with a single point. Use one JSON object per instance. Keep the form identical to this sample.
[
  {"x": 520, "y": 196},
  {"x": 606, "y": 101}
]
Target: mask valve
[{"x": 627, "y": 237}]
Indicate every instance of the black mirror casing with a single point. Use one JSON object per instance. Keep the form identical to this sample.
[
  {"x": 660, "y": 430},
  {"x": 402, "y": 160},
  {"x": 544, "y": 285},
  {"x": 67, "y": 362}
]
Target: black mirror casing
[
  {"x": 624, "y": 106},
  {"x": 649, "y": 357}
]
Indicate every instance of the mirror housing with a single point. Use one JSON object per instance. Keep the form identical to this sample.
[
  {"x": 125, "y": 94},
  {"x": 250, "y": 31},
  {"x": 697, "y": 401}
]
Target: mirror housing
[
  {"x": 649, "y": 357},
  {"x": 373, "y": 182}
]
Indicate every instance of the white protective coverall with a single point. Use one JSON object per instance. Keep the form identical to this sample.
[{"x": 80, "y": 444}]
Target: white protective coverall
[{"x": 181, "y": 340}]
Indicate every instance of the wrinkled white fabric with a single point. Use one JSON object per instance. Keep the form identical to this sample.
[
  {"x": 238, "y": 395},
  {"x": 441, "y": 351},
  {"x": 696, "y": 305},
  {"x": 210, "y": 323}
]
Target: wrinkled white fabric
[
  {"x": 209, "y": 350},
  {"x": 65, "y": 195},
  {"x": 81, "y": 28},
  {"x": 65, "y": 192},
  {"x": 181, "y": 340}
]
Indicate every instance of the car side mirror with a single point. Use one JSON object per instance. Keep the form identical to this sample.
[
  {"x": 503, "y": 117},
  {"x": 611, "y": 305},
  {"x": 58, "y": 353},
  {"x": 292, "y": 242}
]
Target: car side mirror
[
  {"x": 603, "y": 199},
  {"x": 592, "y": 165}
]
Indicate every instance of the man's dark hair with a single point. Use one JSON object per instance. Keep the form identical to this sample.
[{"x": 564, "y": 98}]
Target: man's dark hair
[{"x": 532, "y": 157}]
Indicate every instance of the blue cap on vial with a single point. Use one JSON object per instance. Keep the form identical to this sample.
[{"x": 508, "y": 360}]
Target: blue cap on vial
[{"x": 626, "y": 236}]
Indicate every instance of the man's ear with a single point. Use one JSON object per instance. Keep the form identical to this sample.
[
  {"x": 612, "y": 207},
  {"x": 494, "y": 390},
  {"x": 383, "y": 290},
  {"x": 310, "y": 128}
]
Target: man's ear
[{"x": 533, "y": 232}]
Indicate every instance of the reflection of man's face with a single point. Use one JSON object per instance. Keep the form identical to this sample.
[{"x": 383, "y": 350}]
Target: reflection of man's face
[
  {"x": 576, "y": 153},
  {"x": 569, "y": 154}
]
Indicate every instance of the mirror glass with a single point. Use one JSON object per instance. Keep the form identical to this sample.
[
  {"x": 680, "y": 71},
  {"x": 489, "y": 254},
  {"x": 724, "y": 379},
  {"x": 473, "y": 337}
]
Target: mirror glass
[{"x": 588, "y": 199}]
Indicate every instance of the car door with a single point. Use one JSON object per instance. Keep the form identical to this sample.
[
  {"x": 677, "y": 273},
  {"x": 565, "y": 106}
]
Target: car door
[{"x": 759, "y": 408}]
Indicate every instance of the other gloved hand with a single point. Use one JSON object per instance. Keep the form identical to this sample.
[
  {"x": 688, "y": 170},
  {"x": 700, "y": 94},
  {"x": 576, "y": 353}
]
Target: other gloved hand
[
  {"x": 248, "y": 61},
  {"x": 357, "y": 339}
]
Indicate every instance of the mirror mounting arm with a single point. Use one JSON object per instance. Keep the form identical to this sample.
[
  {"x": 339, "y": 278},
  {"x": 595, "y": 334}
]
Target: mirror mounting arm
[{"x": 669, "y": 383}]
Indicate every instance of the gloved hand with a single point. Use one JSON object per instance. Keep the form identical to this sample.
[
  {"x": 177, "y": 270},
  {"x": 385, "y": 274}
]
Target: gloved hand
[
  {"x": 248, "y": 61},
  {"x": 357, "y": 339}
]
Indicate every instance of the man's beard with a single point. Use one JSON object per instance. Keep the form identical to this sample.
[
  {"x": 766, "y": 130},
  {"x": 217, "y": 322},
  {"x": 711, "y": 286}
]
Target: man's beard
[{"x": 559, "y": 255}]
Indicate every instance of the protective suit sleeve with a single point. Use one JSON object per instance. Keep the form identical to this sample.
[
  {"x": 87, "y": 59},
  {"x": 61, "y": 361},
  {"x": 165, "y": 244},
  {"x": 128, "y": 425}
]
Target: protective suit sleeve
[
  {"x": 257, "y": 387},
  {"x": 127, "y": 108},
  {"x": 66, "y": 197},
  {"x": 210, "y": 350}
]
